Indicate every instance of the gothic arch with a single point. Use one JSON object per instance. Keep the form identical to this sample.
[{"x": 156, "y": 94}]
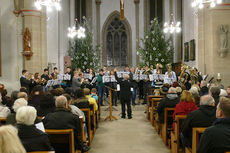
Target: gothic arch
[{"x": 125, "y": 36}]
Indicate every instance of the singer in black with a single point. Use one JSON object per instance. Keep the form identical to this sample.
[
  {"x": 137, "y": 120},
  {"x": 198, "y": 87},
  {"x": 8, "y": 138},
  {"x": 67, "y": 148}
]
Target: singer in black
[{"x": 125, "y": 94}]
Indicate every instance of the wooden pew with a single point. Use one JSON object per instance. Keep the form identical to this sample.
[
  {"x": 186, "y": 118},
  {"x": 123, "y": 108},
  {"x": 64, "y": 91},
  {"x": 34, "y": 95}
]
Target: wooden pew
[
  {"x": 168, "y": 113},
  {"x": 175, "y": 135},
  {"x": 154, "y": 104},
  {"x": 2, "y": 120},
  {"x": 86, "y": 111},
  {"x": 149, "y": 97},
  {"x": 94, "y": 117},
  {"x": 82, "y": 136},
  {"x": 62, "y": 137},
  {"x": 196, "y": 133}
]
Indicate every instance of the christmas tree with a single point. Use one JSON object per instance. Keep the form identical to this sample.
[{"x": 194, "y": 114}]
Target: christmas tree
[
  {"x": 83, "y": 54},
  {"x": 156, "y": 48}
]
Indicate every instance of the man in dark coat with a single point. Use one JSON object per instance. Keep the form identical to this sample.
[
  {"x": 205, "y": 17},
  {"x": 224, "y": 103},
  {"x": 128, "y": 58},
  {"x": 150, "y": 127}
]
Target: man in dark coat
[
  {"x": 216, "y": 139},
  {"x": 170, "y": 100},
  {"x": 202, "y": 117},
  {"x": 125, "y": 94},
  {"x": 62, "y": 118},
  {"x": 23, "y": 80}
]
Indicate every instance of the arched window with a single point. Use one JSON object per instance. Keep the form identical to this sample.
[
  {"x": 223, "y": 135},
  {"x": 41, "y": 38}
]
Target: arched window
[{"x": 116, "y": 43}]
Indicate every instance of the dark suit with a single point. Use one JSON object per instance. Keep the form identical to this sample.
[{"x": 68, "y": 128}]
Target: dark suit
[
  {"x": 25, "y": 83},
  {"x": 125, "y": 95}
]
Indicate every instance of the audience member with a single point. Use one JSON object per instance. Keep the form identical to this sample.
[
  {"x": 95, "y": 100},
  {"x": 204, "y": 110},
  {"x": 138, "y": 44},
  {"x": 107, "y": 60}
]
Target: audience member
[
  {"x": 195, "y": 93},
  {"x": 216, "y": 139},
  {"x": 22, "y": 95},
  {"x": 11, "y": 118},
  {"x": 178, "y": 91},
  {"x": 5, "y": 98},
  {"x": 203, "y": 88},
  {"x": 223, "y": 93},
  {"x": 90, "y": 99},
  {"x": 32, "y": 138},
  {"x": 186, "y": 105},
  {"x": 47, "y": 104},
  {"x": 23, "y": 89},
  {"x": 9, "y": 140},
  {"x": 202, "y": 117},
  {"x": 215, "y": 93},
  {"x": 169, "y": 101},
  {"x": 62, "y": 118},
  {"x": 228, "y": 91},
  {"x": 35, "y": 96},
  {"x": 94, "y": 94},
  {"x": 80, "y": 100},
  {"x": 4, "y": 111}
]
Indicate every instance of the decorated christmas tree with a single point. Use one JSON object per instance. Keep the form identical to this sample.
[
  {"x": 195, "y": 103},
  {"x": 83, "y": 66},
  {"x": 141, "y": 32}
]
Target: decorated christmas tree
[
  {"x": 83, "y": 54},
  {"x": 156, "y": 48}
]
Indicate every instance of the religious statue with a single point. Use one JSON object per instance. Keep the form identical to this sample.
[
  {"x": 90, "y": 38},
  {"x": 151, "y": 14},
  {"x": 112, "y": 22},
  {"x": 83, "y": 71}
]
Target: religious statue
[
  {"x": 27, "y": 44},
  {"x": 223, "y": 34},
  {"x": 122, "y": 9},
  {"x": 27, "y": 40}
]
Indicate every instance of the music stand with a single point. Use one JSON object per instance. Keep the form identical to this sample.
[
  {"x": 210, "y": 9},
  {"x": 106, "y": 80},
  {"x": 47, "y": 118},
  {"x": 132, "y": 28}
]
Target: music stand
[{"x": 110, "y": 117}]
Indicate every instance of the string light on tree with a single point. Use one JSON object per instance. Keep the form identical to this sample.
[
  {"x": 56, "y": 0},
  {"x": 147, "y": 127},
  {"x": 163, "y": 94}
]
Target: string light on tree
[
  {"x": 49, "y": 4},
  {"x": 200, "y": 3},
  {"x": 172, "y": 26}
]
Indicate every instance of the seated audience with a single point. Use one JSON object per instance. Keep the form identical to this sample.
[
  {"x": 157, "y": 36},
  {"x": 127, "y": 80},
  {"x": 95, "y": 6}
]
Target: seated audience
[
  {"x": 62, "y": 118},
  {"x": 35, "y": 96},
  {"x": 178, "y": 91},
  {"x": 195, "y": 94},
  {"x": 23, "y": 89},
  {"x": 47, "y": 104},
  {"x": 202, "y": 117},
  {"x": 228, "y": 91},
  {"x": 186, "y": 105},
  {"x": 90, "y": 99},
  {"x": 9, "y": 140},
  {"x": 13, "y": 97},
  {"x": 215, "y": 93},
  {"x": 32, "y": 138},
  {"x": 11, "y": 118},
  {"x": 5, "y": 99},
  {"x": 4, "y": 111},
  {"x": 79, "y": 99},
  {"x": 164, "y": 89},
  {"x": 170, "y": 100},
  {"x": 216, "y": 139},
  {"x": 203, "y": 88}
]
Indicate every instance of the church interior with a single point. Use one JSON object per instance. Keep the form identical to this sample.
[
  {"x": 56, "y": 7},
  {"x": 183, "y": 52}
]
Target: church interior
[{"x": 109, "y": 76}]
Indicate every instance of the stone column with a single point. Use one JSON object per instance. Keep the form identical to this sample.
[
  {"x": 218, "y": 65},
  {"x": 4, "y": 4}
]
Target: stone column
[
  {"x": 137, "y": 2},
  {"x": 98, "y": 20},
  {"x": 36, "y": 22},
  {"x": 146, "y": 14}
]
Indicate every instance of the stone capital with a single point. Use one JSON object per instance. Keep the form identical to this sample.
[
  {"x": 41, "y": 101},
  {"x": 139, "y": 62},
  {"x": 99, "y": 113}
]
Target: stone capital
[
  {"x": 136, "y": 1},
  {"x": 98, "y": 2}
]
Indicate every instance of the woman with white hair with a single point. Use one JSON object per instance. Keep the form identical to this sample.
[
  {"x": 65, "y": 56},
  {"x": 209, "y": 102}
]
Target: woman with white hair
[
  {"x": 11, "y": 118},
  {"x": 32, "y": 138},
  {"x": 9, "y": 141}
]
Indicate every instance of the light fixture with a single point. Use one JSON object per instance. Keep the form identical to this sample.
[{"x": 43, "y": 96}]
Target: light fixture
[
  {"x": 172, "y": 26},
  {"x": 49, "y": 4},
  {"x": 200, "y": 3},
  {"x": 80, "y": 33}
]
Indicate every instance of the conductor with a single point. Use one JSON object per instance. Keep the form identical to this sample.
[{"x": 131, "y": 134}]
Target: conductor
[{"x": 125, "y": 94}]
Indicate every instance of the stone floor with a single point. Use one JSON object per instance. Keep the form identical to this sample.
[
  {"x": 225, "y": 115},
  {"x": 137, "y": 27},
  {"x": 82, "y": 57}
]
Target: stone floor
[{"x": 127, "y": 136}]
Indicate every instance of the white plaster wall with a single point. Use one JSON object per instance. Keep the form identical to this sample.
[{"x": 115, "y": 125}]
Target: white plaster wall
[
  {"x": 11, "y": 46},
  {"x": 57, "y": 29},
  {"x": 190, "y": 27}
]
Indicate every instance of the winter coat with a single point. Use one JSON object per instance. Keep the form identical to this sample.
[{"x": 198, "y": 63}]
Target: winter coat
[
  {"x": 169, "y": 101},
  {"x": 216, "y": 139},
  {"x": 202, "y": 117}
]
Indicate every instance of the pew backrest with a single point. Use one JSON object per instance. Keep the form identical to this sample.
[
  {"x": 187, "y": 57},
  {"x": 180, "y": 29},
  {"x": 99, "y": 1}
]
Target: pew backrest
[{"x": 196, "y": 133}]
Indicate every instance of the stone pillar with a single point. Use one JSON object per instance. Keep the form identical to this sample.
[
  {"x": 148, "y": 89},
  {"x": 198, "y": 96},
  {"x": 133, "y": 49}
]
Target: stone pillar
[
  {"x": 137, "y": 2},
  {"x": 146, "y": 14},
  {"x": 209, "y": 61},
  {"x": 98, "y": 21},
  {"x": 89, "y": 12},
  {"x": 36, "y": 22}
]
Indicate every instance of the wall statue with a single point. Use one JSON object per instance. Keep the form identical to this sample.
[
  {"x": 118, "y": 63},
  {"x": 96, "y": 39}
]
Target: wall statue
[
  {"x": 223, "y": 37},
  {"x": 27, "y": 40}
]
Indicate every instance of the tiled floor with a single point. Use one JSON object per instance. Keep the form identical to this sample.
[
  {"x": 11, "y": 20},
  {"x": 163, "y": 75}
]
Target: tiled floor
[{"x": 127, "y": 136}]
